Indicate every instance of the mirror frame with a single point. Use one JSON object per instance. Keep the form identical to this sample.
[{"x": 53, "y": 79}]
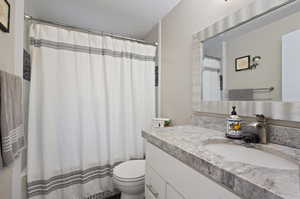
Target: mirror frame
[{"x": 287, "y": 111}]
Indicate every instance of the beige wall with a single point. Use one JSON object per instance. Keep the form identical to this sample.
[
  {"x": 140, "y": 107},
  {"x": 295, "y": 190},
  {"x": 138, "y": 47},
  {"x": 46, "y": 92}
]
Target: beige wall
[
  {"x": 265, "y": 42},
  {"x": 153, "y": 35},
  {"x": 187, "y": 18},
  {"x": 11, "y": 60}
]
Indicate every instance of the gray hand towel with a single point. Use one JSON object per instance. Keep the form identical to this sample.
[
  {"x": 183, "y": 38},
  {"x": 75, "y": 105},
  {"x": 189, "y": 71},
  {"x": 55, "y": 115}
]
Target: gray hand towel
[
  {"x": 240, "y": 95},
  {"x": 11, "y": 124}
]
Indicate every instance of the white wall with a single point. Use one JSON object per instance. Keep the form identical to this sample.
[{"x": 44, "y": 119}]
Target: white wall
[
  {"x": 7, "y": 45},
  {"x": 187, "y": 18},
  {"x": 290, "y": 66},
  {"x": 11, "y": 60}
]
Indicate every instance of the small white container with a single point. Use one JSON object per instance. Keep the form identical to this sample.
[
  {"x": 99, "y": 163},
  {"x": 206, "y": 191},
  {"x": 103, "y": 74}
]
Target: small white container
[{"x": 160, "y": 122}]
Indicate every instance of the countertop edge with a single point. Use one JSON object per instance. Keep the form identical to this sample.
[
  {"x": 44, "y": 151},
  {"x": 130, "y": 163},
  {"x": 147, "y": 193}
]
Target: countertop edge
[{"x": 231, "y": 182}]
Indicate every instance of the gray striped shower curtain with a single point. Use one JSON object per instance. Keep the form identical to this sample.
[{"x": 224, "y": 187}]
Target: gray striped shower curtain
[{"x": 90, "y": 97}]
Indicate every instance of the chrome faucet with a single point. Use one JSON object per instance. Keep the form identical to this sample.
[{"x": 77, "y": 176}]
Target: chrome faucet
[{"x": 261, "y": 127}]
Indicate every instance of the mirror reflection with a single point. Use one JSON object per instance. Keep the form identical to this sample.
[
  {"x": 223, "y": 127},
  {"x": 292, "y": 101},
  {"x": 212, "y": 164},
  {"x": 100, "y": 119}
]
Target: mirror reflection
[{"x": 256, "y": 61}]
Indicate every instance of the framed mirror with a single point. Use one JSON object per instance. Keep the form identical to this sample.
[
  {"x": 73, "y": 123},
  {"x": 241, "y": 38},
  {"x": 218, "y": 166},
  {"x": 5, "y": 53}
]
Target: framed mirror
[
  {"x": 256, "y": 61},
  {"x": 250, "y": 60}
]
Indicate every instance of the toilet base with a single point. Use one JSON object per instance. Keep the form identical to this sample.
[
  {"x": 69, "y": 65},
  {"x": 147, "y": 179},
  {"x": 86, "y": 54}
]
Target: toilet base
[{"x": 129, "y": 196}]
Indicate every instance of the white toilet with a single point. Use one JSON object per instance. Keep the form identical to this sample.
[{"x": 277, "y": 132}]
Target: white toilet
[{"x": 129, "y": 178}]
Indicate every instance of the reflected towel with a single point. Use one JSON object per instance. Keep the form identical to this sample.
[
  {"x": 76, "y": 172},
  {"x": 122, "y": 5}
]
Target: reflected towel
[
  {"x": 11, "y": 124},
  {"x": 240, "y": 95}
]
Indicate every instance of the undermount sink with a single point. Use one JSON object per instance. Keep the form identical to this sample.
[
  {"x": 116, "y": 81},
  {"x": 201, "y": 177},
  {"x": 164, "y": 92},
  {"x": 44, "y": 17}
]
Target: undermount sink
[{"x": 252, "y": 156}]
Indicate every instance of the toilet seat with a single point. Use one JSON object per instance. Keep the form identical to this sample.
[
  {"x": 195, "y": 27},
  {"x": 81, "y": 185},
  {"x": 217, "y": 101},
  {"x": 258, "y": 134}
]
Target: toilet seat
[
  {"x": 129, "y": 178},
  {"x": 130, "y": 171}
]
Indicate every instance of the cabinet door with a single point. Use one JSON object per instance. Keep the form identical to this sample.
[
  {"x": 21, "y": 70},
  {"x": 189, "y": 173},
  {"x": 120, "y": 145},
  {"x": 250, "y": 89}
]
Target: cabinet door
[
  {"x": 171, "y": 193},
  {"x": 155, "y": 185}
]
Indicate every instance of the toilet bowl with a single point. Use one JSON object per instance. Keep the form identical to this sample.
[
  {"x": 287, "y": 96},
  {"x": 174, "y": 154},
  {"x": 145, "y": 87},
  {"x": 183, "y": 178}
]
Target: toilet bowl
[{"x": 129, "y": 178}]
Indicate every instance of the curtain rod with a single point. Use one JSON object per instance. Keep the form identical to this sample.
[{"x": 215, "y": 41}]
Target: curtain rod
[{"x": 30, "y": 18}]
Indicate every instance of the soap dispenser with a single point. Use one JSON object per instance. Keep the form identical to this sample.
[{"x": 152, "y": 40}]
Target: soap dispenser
[{"x": 234, "y": 130}]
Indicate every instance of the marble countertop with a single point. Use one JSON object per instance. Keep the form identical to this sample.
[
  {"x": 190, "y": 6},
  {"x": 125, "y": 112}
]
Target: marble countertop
[{"x": 186, "y": 143}]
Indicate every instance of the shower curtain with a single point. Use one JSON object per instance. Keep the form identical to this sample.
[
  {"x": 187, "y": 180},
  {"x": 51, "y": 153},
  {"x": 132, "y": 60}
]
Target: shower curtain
[
  {"x": 211, "y": 79},
  {"x": 90, "y": 97}
]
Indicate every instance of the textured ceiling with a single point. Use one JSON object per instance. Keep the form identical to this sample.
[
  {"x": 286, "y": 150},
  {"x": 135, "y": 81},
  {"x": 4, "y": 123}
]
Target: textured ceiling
[{"x": 134, "y": 18}]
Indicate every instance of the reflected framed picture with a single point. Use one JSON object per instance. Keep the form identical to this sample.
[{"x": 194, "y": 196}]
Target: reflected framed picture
[
  {"x": 4, "y": 15},
  {"x": 242, "y": 63}
]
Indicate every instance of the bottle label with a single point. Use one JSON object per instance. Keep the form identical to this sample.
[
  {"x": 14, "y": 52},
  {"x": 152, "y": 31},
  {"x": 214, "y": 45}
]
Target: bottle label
[{"x": 234, "y": 127}]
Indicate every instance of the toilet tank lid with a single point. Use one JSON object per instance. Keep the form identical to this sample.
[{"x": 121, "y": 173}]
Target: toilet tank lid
[{"x": 130, "y": 169}]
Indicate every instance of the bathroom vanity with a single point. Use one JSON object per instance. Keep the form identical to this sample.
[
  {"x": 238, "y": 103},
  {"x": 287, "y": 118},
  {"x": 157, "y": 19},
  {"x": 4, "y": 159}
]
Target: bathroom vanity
[
  {"x": 249, "y": 60},
  {"x": 190, "y": 162},
  {"x": 169, "y": 178}
]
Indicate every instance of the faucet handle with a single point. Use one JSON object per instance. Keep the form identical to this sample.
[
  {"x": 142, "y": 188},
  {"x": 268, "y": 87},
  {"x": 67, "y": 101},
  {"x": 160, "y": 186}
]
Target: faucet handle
[{"x": 260, "y": 118}]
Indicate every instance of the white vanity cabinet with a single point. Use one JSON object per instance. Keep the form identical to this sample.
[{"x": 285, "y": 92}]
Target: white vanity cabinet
[
  {"x": 155, "y": 185},
  {"x": 171, "y": 193},
  {"x": 169, "y": 178},
  {"x": 158, "y": 188}
]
